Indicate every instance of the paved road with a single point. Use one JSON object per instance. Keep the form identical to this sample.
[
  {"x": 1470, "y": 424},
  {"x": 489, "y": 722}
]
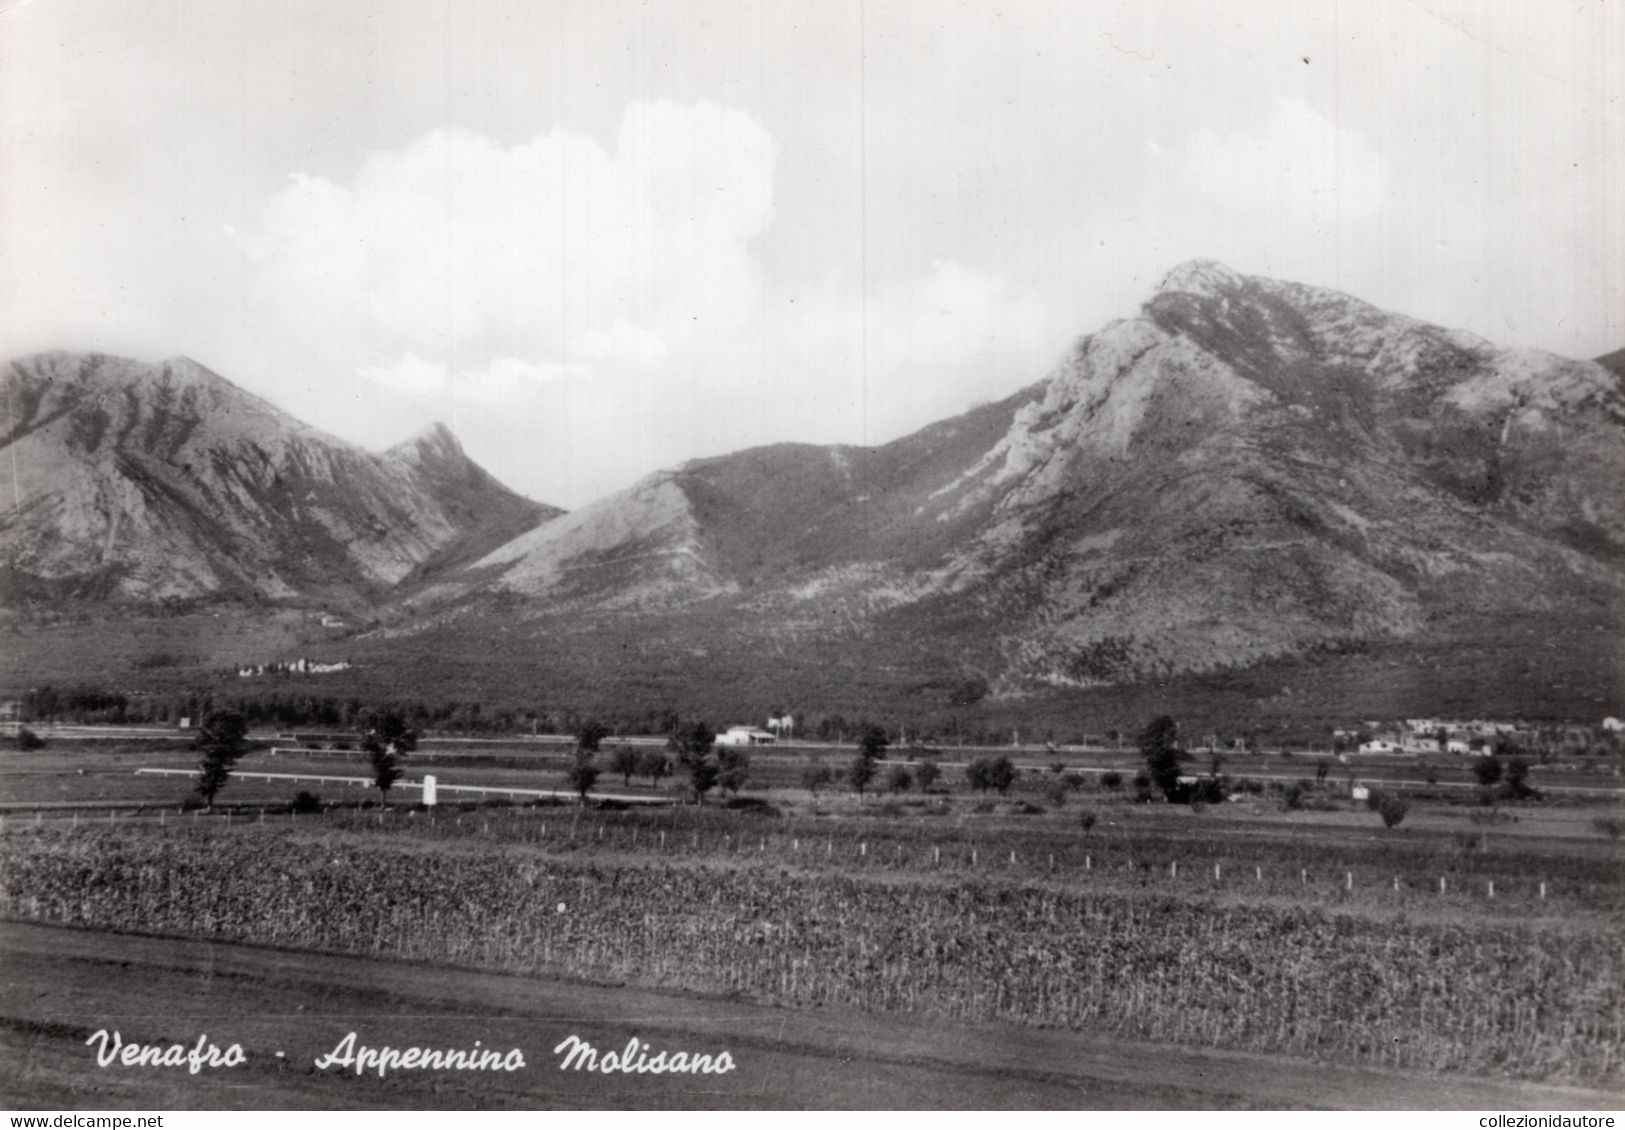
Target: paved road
[{"x": 409, "y": 785}]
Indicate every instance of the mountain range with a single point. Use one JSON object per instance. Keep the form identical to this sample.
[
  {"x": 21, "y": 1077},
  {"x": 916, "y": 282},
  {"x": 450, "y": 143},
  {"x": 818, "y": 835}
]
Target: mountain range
[
  {"x": 167, "y": 483},
  {"x": 1245, "y": 472}
]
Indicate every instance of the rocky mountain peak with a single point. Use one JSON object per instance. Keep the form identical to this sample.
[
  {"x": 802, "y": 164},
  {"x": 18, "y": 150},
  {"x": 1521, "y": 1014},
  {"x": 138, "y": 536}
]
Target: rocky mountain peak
[
  {"x": 151, "y": 481},
  {"x": 434, "y": 442},
  {"x": 1202, "y": 277}
]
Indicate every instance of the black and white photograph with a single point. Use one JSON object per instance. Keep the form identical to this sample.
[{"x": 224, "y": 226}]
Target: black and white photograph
[{"x": 812, "y": 555}]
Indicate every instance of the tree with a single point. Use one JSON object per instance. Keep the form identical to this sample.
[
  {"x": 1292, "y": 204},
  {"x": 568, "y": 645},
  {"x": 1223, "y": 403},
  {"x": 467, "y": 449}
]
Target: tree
[
  {"x": 871, "y": 746},
  {"x": 1488, "y": 770},
  {"x": 28, "y": 740},
  {"x": 582, "y": 774},
  {"x": 222, "y": 739},
  {"x": 387, "y": 740},
  {"x": 1001, "y": 774},
  {"x": 861, "y": 772},
  {"x": 815, "y": 776},
  {"x": 1392, "y": 808},
  {"x": 1159, "y": 745},
  {"x": 655, "y": 765},
  {"x": 927, "y": 773},
  {"x": 733, "y": 768},
  {"x": 591, "y": 735},
  {"x": 977, "y": 774},
  {"x": 623, "y": 759},
  {"x": 1517, "y": 780},
  {"x": 693, "y": 744},
  {"x": 874, "y": 742},
  {"x": 899, "y": 780},
  {"x": 1111, "y": 779}
]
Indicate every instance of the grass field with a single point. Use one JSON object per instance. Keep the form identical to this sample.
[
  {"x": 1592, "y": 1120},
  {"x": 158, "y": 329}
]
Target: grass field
[{"x": 1530, "y": 667}]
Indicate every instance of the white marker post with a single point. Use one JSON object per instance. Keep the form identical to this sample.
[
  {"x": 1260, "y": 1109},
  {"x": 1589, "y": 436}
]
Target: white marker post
[{"x": 430, "y": 795}]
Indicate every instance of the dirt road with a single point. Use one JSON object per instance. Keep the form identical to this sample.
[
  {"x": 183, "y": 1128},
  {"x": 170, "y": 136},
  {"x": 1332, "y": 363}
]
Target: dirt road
[{"x": 60, "y": 986}]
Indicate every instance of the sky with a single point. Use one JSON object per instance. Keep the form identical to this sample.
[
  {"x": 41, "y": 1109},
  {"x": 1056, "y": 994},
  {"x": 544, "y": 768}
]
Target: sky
[{"x": 600, "y": 238}]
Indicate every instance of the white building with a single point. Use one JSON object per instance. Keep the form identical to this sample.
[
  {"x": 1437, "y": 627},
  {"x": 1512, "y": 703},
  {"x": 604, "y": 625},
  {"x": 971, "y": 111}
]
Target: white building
[{"x": 744, "y": 735}]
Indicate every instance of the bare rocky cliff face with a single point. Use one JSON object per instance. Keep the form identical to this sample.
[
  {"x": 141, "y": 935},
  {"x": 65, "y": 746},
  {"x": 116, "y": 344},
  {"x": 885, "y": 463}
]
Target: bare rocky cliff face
[
  {"x": 1245, "y": 469},
  {"x": 161, "y": 482}
]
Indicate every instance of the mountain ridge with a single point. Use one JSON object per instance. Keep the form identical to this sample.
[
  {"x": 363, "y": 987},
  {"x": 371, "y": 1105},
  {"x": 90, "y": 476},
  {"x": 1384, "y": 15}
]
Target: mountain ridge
[
  {"x": 1244, "y": 470},
  {"x": 1244, "y": 475},
  {"x": 164, "y": 481}
]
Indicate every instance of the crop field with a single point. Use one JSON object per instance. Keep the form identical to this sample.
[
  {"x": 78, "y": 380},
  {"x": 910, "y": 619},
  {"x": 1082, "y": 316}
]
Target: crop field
[
  {"x": 1471, "y": 944},
  {"x": 1518, "y": 987}
]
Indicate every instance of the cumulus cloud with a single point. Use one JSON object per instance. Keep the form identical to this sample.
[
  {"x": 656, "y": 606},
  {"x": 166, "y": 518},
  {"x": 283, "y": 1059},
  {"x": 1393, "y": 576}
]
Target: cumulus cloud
[
  {"x": 615, "y": 295},
  {"x": 1299, "y": 163},
  {"x": 502, "y": 266},
  {"x": 935, "y": 337},
  {"x": 504, "y": 380}
]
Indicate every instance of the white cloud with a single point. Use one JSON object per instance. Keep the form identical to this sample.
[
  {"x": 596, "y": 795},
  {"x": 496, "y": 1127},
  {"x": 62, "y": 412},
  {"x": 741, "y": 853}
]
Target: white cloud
[
  {"x": 936, "y": 339},
  {"x": 618, "y": 293},
  {"x": 506, "y": 380},
  {"x": 508, "y": 264},
  {"x": 410, "y": 375},
  {"x": 1300, "y": 163}
]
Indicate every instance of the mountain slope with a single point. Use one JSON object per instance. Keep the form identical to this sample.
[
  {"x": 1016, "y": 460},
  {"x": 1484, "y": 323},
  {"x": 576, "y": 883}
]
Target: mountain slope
[
  {"x": 1246, "y": 470},
  {"x": 164, "y": 481},
  {"x": 1614, "y": 362}
]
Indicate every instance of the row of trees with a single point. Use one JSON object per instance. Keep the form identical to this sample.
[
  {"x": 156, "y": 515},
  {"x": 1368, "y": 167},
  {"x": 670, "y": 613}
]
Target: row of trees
[
  {"x": 222, "y": 740},
  {"x": 691, "y": 749}
]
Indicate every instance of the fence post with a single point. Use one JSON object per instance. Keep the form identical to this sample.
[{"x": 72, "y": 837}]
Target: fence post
[
  {"x": 1441, "y": 884},
  {"x": 936, "y": 856},
  {"x": 1492, "y": 888},
  {"x": 863, "y": 848},
  {"x": 1348, "y": 880},
  {"x": 1258, "y": 874},
  {"x": 1543, "y": 890},
  {"x": 1216, "y": 873},
  {"x": 1173, "y": 869},
  {"x": 973, "y": 857},
  {"x": 1396, "y": 882},
  {"x": 1303, "y": 876},
  {"x": 1088, "y": 863},
  {"x": 1012, "y": 858}
]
